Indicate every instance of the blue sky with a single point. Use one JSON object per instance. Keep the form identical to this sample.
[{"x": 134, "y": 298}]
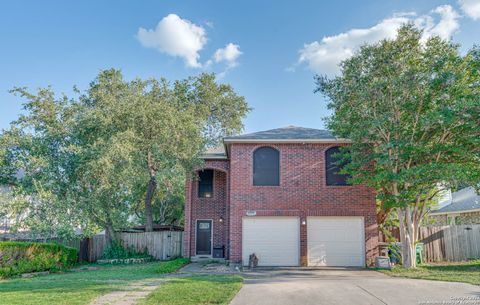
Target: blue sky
[{"x": 268, "y": 50}]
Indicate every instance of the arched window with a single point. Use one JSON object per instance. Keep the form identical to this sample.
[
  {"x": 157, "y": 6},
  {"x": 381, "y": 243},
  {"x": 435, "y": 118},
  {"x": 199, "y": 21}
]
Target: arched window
[
  {"x": 333, "y": 166},
  {"x": 266, "y": 167},
  {"x": 205, "y": 183}
]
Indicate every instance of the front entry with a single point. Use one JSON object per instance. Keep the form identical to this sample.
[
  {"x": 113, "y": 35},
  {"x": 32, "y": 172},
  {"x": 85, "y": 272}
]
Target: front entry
[{"x": 204, "y": 237}]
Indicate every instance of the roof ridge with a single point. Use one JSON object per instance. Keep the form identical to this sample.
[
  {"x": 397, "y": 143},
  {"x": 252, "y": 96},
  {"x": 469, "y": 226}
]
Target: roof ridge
[{"x": 289, "y": 132}]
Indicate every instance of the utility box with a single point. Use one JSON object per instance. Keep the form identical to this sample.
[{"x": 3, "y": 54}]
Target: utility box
[
  {"x": 218, "y": 252},
  {"x": 382, "y": 262}
]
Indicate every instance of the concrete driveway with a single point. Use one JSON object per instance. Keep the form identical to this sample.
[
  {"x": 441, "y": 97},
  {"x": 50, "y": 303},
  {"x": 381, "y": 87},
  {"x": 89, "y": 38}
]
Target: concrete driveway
[{"x": 348, "y": 286}]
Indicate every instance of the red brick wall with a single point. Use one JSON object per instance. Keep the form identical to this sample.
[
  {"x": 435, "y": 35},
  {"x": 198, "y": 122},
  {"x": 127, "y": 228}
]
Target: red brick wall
[
  {"x": 214, "y": 208},
  {"x": 302, "y": 192}
]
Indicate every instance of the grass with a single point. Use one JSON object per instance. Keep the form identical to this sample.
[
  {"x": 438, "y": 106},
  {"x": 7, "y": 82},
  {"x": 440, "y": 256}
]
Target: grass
[
  {"x": 466, "y": 272},
  {"x": 78, "y": 288},
  {"x": 173, "y": 265},
  {"x": 201, "y": 290}
]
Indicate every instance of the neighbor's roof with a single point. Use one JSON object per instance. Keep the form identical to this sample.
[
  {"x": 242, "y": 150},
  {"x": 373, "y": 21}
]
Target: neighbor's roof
[
  {"x": 215, "y": 153},
  {"x": 463, "y": 201},
  {"x": 287, "y": 134}
]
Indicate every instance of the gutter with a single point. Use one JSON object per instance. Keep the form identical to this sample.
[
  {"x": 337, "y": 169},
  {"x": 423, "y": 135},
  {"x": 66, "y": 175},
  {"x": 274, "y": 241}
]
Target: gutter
[
  {"x": 227, "y": 142},
  {"x": 455, "y": 212}
]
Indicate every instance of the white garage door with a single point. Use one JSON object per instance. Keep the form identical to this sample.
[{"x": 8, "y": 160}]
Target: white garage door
[
  {"x": 335, "y": 241},
  {"x": 275, "y": 240}
]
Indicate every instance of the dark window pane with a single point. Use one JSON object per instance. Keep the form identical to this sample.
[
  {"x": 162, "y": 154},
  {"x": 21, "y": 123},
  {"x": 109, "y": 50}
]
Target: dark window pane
[
  {"x": 205, "y": 183},
  {"x": 332, "y": 160},
  {"x": 266, "y": 167}
]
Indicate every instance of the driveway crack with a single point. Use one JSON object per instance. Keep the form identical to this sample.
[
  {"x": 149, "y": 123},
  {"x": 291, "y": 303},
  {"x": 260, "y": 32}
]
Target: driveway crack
[{"x": 383, "y": 302}]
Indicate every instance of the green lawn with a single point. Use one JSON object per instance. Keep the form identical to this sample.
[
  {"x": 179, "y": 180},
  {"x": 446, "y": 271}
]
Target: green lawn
[
  {"x": 467, "y": 272},
  {"x": 197, "y": 290},
  {"x": 78, "y": 288}
]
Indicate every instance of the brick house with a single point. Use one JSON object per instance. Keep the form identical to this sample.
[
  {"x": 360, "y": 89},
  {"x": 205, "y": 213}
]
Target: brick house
[{"x": 278, "y": 194}]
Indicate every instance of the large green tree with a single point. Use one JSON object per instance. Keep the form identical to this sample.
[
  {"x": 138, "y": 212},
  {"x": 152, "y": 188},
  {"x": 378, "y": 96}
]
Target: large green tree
[
  {"x": 411, "y": 108},
  {"x": 92, "y": 159}
]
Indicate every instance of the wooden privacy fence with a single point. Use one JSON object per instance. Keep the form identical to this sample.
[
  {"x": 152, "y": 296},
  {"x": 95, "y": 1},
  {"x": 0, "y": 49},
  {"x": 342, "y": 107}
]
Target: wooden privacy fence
[
  {"x": 162, "y": 245},
  {"x": 448, "y": 243},
  {"x": 451, "y": 243}
]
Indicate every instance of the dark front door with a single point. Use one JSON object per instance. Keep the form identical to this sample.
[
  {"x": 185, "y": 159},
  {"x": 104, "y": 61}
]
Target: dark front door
[{"x": 204, "y": 237}]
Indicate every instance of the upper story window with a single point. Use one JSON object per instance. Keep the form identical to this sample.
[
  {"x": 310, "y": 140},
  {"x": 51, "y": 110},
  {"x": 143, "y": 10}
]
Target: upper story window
[
  {"x": 205, "y": 183},
  {"x": 333, "y": 167},
  {"x": 266, "y": 167}
]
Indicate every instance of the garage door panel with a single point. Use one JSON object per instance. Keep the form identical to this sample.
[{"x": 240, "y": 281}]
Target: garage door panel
[
  {"x": 332, "y": 236},
  {"x": 341, "y": 261},
  {"x": 275, "y": 240},
  {"x": 337, "y": 248},
  {"x": 335, "y": 241}
]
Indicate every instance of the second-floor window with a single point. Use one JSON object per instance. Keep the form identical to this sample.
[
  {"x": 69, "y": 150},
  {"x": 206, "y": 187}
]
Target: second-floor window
[
  {"x": 333, "y": 165},
  {"x": 266, "y": 167},
  {"x": 205, "y": 183}
]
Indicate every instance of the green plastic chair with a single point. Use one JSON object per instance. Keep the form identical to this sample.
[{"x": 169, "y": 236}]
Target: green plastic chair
[{"x": 419, "y": 253}]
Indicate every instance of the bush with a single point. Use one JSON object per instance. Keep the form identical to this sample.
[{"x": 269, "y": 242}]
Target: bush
[
  {"x": 117, "y": 251},
  {"x": 23, "y": 257}
]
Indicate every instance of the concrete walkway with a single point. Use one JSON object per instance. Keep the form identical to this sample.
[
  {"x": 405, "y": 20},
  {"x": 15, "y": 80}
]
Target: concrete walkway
[
  {"x": 134, "y": 292},
  {"x": 208, "y": 268},
  {"x": 348, "y": 286},
  {"x": 129, "y": 295}
]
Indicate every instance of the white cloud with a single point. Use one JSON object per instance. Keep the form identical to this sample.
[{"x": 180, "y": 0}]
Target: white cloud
[
  {"x": 324, "y": 56},
  {"x": 176, "y": 37},
  {"x": 446, "y": 26},
  {"x": 471, "y": 8},
  {"x": 229, "y": 55}
]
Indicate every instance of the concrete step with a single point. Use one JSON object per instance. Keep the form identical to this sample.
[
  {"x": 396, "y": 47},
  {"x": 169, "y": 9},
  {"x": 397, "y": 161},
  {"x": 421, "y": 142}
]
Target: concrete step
[{"x": 207, "y": 259}]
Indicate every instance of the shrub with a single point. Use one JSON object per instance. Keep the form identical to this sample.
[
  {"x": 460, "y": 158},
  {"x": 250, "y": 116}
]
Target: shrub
[
  {"x": 117, "y": 251},
  {"x": 22, "y": 257}
]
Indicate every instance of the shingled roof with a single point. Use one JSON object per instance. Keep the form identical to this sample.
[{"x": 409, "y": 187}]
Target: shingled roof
[
  {"x": 286, "y": 133},
  {"x": 464, "y": 201}
]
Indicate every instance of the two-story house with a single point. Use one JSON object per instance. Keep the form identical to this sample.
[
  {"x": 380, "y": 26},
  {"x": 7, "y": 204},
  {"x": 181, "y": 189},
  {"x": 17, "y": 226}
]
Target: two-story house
[{"x": 279, "y": 194}]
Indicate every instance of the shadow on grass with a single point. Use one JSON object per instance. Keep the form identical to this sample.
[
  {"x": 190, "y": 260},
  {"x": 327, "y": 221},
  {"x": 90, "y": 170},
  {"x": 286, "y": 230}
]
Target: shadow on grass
[
  {"x": 471, "y": 266},
  {"x": 199, "y": 289},
  {"x": 74, "y": 287}
]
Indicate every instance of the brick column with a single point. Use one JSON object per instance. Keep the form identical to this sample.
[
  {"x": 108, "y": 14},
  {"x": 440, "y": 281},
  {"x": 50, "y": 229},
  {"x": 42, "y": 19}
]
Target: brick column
[
  {"x": 303, "y": 243},
  {"x": 188, "y": 218}
]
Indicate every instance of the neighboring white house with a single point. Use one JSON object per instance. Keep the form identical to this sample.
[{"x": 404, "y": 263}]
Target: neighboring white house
[{"x": 463, "y": 207}]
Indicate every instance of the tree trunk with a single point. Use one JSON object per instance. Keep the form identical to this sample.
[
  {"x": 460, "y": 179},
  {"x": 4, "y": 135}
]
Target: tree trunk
[
  {"x": 382, "y": 215},
  {"x": 109, "y": 234},
  {"x": 408, "y": 237},
  {"x": 152, "y": 184}
]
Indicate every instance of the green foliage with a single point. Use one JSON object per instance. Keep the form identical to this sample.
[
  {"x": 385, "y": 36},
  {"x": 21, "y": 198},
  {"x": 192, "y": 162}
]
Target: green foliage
[
  {"x": 417, "y": 106},
  {"x": 412, "y": 110},
  {"x": 395, "y": 253},
  {"x": 173, "y": 265},
  {"x": 88, "y": 159},
  {"x": 22, "y": 257},
  {"x": 116, "y": 251}
]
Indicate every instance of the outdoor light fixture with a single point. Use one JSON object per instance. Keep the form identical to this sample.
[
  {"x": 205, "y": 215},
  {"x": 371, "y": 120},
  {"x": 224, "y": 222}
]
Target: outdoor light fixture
[
  {"x": 220, "y": 220},
  {"x": 304, "y": 222}
]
